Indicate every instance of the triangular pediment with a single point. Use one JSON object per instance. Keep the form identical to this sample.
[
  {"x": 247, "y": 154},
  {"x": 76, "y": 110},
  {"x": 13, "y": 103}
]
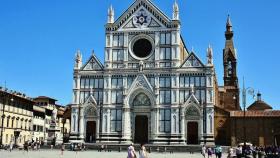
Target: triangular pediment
[
  {"x": 90, "y": 100},
  {"x": 192, "y": 100},
  {"x": 142, "y": 19},
  {"x": 192, "y": 61},
  {"x": 140, "y": 81},
  {"x": 141, "y": 14},
  {"x": 93, "y": 64}
]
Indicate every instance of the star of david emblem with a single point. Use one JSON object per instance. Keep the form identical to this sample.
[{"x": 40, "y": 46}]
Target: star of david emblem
[{"x": 141, "y": 19}]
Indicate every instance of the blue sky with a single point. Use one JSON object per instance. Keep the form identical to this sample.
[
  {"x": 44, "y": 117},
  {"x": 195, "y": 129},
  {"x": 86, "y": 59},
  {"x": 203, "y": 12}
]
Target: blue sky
[{"x": 38, "y": 40}]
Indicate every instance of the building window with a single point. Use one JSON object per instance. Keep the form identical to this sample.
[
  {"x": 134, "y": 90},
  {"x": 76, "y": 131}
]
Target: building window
[
  {"x": 184, "y": 95},
  {"x": 164, "y": 97},
  {"x": 118, "y": 40},
  {"x": 117, "y": 82},
  {"x": 184, "y": 81},
  {"x": 165, "y": 38},
  {"x": 8, "y": 122},
  {"x": 117, "y": 55},
  {"x": 130, "y": 80},
  {"x": 116, "y": 120},
  {"x": 117, "y": 96},
  {"x": 165, "y": 120},
  {"x": 165, "y": 53},
  {"x": 164, "y": 82},
  {"x": 165, "y": 92},
  {"x": 7, "y": 138}
]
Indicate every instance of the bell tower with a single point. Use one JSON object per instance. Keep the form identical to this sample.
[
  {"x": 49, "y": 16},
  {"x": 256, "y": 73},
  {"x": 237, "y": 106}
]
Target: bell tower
[{"x": 231, "y": 86}]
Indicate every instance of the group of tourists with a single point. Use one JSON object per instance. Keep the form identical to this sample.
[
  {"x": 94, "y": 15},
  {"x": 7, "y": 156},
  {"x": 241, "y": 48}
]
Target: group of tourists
[
  {"x": 255, "y": 151},
  {"x": 210, "y": 151},
  {"x": 131, "y": 153}
]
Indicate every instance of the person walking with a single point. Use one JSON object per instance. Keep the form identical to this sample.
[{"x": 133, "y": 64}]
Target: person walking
[
  {"x": 209, "y": 152},
  {"x": 131, "y": 152},
  {"x": 142, "y": 152},
  {"x": 62, "y": 149},
  {"x": 218, "y": 151},
  {"x": 203, "y": 151},
  {"x": 11, "y": 146}
]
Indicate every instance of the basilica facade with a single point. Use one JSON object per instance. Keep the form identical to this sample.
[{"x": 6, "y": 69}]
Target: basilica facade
[{"x": 150, "y": 88}]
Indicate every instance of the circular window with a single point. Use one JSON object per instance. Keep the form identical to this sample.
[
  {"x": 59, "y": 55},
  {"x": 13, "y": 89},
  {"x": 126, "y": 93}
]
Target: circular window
[{"x": 141, "y": 47}]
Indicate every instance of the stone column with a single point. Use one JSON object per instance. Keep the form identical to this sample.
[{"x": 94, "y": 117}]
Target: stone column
[
  {"x": 182, "y": 116},
  {"x": 82, "y": 123},
  {"x": 126, "y": 125},
  {"x": 153, "y": 124}
]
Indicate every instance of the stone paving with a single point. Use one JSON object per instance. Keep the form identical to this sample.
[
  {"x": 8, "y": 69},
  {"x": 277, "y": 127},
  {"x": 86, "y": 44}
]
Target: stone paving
[{"x": 87, "y": 154}]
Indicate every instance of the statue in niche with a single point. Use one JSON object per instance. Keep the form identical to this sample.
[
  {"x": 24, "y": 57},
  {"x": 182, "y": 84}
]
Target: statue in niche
[{"x": 141, "y": 100}]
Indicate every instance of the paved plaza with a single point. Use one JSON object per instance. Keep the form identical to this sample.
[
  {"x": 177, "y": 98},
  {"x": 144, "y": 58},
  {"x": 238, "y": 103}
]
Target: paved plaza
[{"x": 87, "y": 154}]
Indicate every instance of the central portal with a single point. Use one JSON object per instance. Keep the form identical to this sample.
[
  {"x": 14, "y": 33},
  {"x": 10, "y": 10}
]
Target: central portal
[
  {"x": 91, "y": 132},
  {"x": 141, "y": 129}
]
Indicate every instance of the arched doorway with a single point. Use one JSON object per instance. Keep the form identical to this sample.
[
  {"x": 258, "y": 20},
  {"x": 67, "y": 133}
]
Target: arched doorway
[
  {"x": 141, "y": 105},
  {"x": 192, "y": 121},
  {"x": 90, "y": 116}
]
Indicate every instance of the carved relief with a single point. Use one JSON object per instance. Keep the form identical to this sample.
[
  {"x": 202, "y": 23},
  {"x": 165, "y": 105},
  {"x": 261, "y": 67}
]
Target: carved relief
[
  {"x": 192, "y": 112},
  {"x": 141, "y": 100}
]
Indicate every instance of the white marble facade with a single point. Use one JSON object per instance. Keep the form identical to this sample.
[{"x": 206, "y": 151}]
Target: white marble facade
[{"x": 149, "y": 83}]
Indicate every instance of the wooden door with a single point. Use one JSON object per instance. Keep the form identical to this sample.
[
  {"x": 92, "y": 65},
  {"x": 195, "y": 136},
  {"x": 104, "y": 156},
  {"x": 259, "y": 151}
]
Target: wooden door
[
  {"x": 91, "y": 131},
  {"x": 192, "y": 133},
  {"x": 141, "y": 129}
]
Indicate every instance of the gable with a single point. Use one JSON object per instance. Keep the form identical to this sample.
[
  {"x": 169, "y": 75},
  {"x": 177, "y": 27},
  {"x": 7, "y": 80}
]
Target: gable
[
  {"x": 141, "y": 82},
  {"x": 192, "y": 61},
  {"x": 141, "y": 19},
  {"x": 156, "y": 16},
  {"x": 93, "y": 64}
]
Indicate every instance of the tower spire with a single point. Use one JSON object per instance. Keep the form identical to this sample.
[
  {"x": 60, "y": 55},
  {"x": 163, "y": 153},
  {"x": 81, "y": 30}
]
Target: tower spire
[
  {"x": 209, "y": 55},
  {"x": 229, "y": 57},
  {"x": 78, "y": 60},
  {"x": 175, "y": 11},
  {"x": 111, "y": 15}
]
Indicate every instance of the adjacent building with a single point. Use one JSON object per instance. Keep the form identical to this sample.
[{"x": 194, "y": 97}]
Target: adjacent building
[
  {"x": 16, "y": 111},
  {"x": 44, "y": 113}
]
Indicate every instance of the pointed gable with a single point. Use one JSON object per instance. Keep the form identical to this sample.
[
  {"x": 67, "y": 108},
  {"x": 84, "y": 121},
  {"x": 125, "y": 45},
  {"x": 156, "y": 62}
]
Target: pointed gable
[
  {"x": 140, "y": 81},
  {"x": 93, "y": 64},
  {"x": 192, "y": 61},
  {"x": 152, "y": 16},
  {"x": 192, "y": 100}
]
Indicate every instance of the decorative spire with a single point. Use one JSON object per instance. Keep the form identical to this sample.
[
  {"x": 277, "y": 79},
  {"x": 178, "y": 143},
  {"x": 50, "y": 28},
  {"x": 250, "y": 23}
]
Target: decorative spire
[
  {"x": 229, "y": 24},
  {"x": 175, "y": 11},
  {"x": 209, "y": 55},
  {"x": 78, "y": 60},
  {"x": 229, "y": 31},
  {"x": 111, "y": 15}
]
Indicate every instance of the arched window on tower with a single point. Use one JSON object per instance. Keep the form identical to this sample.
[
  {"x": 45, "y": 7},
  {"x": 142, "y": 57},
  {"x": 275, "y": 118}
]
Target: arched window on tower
[{"x": 229, "y": 68}]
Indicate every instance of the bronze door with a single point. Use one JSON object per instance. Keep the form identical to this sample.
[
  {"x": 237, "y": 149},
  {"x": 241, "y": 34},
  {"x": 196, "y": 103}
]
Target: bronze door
[
  {"x": 192, "y": 133},
  {"x": 91, "y": 132},
  {"x": 141, "y": 129}
]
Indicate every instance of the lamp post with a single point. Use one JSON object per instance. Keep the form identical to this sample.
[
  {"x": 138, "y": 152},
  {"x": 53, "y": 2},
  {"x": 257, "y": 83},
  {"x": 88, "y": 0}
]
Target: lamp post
[{"x": 250, "y": 91}]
